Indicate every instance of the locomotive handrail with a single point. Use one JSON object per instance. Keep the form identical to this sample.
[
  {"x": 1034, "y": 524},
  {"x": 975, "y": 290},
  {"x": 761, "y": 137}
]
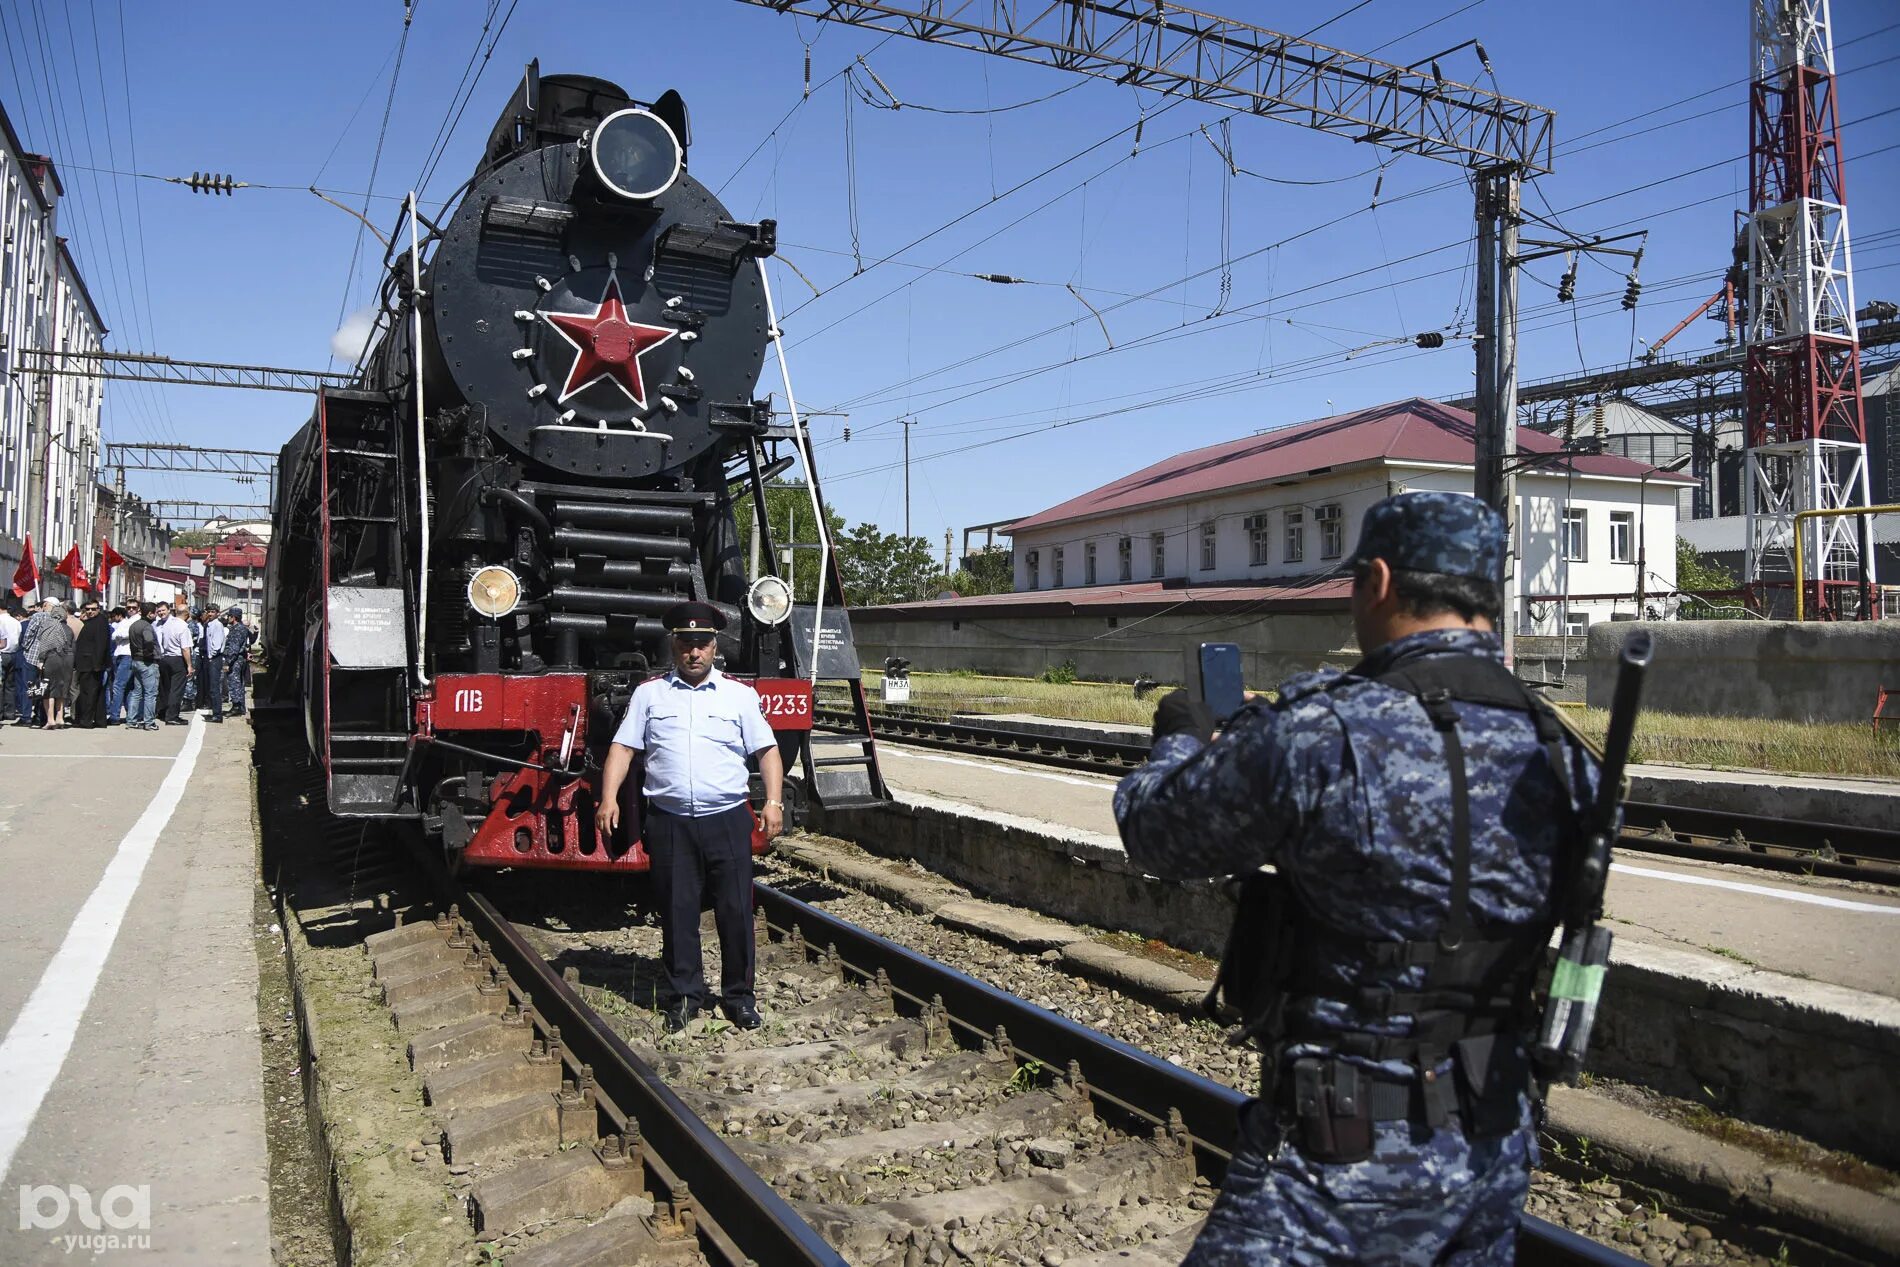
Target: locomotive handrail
[{"x": 603, "y": 430}]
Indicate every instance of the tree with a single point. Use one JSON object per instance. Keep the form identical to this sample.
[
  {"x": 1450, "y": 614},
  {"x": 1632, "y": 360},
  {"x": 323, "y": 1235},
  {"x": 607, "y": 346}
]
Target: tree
[
  {"x": 1694, "y": 575},
  {"x": 1693, "y": 572},
  {"x": 882, "y": 567},
  {"x": 789, "y": 519},
  {"x": 991, "y": 571},
  {"x": 196, "y": 538}
]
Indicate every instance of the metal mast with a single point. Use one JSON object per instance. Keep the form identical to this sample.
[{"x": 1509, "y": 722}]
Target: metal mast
[
  {"x": 1172, "y": 49},
  {"x": 1807, "y": 439}
]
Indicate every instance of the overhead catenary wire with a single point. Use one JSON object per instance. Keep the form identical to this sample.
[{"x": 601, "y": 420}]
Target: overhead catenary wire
[
  {"x": 376, "y": 162},
  {"x": 1145, "y": 340}
]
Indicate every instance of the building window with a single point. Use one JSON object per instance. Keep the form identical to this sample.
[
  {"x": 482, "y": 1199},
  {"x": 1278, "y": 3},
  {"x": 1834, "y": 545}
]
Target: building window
[
  {"x": 1088, "y": 564},
  {"x": 1033, "y": 564},
  {"x": 1125, "y": 560},
  {"x": 1332, "y": 531},
  {"x": 1296, "y": 536},
  {"x": 1622, "y": 536},
  {"x": 1208, "y": 544},
  {"x": 1577, "y": 624},
  {"x": 1259, "y": 541},
  {"x": 1576, "y": 531},
  {"x": 1058, "y": 567},
  {"x": 1158, "y": 563}
]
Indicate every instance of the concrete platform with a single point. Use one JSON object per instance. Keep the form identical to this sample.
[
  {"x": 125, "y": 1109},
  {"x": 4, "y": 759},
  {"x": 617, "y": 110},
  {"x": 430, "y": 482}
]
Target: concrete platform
[
  {"x": 1722, "y": 977},
  {"x": 128, "y": 995},
  {"x": 1835, "y": 932}
]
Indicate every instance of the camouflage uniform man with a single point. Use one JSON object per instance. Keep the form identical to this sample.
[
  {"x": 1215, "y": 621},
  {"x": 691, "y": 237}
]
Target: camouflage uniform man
[{"x": 1394, "y": 1123}]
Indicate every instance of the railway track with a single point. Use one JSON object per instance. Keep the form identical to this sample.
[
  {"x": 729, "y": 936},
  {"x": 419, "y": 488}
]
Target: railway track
[
  {"x": 1779, "y": 844},
  {"x": 894, "y": 1111}
]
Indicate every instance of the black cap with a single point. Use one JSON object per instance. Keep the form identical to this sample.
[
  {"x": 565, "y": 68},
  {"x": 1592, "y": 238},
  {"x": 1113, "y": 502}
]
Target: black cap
[{"x": 695, "y": 618}]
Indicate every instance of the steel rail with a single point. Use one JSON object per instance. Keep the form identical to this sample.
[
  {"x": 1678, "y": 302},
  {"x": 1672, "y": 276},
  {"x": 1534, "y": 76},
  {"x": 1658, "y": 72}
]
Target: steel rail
[
  {"x": 745, "y": 1209},
  {"x": 1801, "y": 846},
  {"x": 1131, "y": 1078}
]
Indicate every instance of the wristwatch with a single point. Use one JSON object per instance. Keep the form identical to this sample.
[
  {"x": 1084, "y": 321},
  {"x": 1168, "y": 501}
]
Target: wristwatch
[{"x": 775, "y": 805}]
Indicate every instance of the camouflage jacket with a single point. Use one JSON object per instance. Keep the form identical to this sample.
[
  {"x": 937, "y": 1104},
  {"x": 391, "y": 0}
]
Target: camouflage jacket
[{"x": 1342, "y": 785}]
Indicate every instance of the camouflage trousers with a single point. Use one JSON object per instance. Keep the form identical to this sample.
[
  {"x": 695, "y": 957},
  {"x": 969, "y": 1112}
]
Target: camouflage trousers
[{"x": 1423, "y": 1199}]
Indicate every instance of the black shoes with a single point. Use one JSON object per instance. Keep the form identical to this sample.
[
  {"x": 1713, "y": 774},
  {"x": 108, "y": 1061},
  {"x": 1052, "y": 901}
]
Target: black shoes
[
  {"x": 679, "y": 1016},
  {"x": 742, "y": 1014}
]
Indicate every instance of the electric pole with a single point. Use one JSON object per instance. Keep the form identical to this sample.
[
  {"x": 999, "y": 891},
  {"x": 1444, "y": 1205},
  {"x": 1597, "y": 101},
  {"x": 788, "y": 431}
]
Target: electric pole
[
  {"x": 1493, "y": 475},
  {"x": 907, "y": 424}
]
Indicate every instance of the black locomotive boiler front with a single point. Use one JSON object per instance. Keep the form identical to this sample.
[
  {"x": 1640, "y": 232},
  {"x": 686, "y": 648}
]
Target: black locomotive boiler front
[{"x": 540, "y": 458}]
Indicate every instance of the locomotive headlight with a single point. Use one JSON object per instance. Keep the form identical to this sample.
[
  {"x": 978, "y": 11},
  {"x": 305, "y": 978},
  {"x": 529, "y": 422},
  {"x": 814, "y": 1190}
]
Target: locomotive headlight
[
  {"x": 634, "y": 154},
  {"x": 769, "y": 600},
  {"x": 494, "y": 591}
]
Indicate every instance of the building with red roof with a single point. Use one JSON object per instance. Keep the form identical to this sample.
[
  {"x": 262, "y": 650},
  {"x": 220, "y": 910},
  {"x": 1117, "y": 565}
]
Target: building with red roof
[
  {"x": 1281, "y": 510},
  {"x": 1247, "y": 541}
]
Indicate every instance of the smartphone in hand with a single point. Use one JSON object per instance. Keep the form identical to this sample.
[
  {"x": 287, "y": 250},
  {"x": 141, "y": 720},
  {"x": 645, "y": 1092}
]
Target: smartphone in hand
[{"x": 1221, "y": 688}]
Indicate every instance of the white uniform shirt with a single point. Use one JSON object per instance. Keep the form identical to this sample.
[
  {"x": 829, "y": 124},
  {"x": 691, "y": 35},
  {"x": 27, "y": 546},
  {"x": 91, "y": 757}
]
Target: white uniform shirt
[{"x": 696, "y": 740}]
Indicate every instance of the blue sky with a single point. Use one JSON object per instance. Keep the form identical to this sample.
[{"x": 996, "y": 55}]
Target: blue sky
[{"x": 1020, "y": 402}]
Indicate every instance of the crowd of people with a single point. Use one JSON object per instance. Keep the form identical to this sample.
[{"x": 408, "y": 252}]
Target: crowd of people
[{"x": 65, "y": 665}]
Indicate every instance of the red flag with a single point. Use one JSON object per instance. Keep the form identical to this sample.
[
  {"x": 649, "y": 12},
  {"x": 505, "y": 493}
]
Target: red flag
[
  {"x": 108, "y": 559},
  {"x": 26, "y": 577},
  {"x": 74, "y": 570}
]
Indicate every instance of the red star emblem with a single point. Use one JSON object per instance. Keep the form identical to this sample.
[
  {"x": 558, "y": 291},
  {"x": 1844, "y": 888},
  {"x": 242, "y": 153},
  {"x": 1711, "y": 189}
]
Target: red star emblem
[{"x": 607, "y": 344}]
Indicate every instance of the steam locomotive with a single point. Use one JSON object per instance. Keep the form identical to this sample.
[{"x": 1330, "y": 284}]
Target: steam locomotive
[{"x": 546, "y": 448}]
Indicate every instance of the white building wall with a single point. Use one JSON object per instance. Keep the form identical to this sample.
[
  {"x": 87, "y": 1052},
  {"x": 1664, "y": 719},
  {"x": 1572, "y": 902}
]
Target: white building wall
[
  {"x": 27, "y": 281},
  {"x": 49, "y": 424},
  {"x": 1542, "y": 567},
  {"x": 1181, "y": 523},
  {"x": 73, "y": 457}
]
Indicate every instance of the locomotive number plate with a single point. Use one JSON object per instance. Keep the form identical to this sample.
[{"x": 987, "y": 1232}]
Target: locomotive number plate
[{"x": 786, "y": 702}]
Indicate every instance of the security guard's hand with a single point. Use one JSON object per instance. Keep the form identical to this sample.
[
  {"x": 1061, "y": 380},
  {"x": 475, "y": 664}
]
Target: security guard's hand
[
  {"x": 1179, "y": 713},
  {"x": 607, "y": 817},
  {"x": 772, "y": 818}
]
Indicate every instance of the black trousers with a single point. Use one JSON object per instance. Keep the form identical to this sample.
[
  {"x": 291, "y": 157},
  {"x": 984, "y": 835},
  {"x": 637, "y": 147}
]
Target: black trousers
[
  {"x": 171, "y": 686},
  {"x": 691, "y": 856},
  {"x": 211, "y": 684},
  {"x": 91, "y": 706}
]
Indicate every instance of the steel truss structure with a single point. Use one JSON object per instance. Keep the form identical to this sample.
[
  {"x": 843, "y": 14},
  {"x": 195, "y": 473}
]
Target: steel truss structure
[
  {"x": 1806, "y": 436},
  {"x": 140, "y": 367},
  {"x": 1173, "y": 49},
  {"x": 189, "y": 457}
]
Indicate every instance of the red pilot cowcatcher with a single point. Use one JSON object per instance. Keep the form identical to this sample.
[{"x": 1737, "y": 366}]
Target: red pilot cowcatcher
[
  {"x": 608, "y": 345},
  {"x": 544, "y": 817}
]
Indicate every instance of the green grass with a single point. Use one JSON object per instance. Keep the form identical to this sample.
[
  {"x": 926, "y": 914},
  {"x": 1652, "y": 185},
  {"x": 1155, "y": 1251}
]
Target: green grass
[
  {"x": 943, "y": 694},
  {"x": 1745, "y": 743},
  {"x": 1838, "y": 748}
]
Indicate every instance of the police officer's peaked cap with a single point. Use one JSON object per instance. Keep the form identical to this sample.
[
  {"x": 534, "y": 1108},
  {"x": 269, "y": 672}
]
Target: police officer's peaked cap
[
  {"x": 1448, "y": 533},
  {"x": 695, "y": 618}
]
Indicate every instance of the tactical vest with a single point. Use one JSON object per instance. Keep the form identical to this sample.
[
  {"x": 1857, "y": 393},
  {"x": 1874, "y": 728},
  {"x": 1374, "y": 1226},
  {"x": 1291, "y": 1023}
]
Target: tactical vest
[{"x": 1282, "y": 960}]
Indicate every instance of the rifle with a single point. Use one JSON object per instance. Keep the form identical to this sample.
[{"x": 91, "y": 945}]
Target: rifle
[{"x": 1576, "y": 982}]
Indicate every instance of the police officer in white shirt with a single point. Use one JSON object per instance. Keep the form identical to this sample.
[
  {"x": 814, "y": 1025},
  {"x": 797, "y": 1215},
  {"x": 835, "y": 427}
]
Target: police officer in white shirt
[{"x": 696, "y": 728}]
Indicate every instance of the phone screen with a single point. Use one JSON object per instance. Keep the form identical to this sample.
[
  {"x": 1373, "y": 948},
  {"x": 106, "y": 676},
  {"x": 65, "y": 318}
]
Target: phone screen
[{"x": 1221, "y": 688}]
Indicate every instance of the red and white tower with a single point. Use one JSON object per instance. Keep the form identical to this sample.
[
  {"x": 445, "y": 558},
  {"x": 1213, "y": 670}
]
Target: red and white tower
[{"x": 1807, "y": 439}]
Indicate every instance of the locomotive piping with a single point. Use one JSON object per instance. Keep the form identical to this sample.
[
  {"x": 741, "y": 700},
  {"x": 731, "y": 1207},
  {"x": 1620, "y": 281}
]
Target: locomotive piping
[
  {"x": 527, "y": 509},
  {"x": 422, "y": 451}
]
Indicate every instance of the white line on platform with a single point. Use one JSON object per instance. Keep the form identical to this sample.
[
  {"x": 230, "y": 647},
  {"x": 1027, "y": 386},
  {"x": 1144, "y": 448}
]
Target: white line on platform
[
  {"x": 911, "y": 754},
  {"x": 94, "y": 756},
  {"x": 1761, "y": 890},
  {"x": 36, "y": 1046}
]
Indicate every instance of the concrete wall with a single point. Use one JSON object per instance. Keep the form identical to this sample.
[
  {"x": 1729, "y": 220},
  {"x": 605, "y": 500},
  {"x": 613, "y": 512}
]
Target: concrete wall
[
  {"x": 1165, "y": 648},
  {"x": 1784, "y": 670}
]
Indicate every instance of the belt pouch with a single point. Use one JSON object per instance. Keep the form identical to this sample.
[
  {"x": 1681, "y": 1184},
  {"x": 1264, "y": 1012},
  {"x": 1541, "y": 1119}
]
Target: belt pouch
[{"x": 1491, "y": 1071}]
